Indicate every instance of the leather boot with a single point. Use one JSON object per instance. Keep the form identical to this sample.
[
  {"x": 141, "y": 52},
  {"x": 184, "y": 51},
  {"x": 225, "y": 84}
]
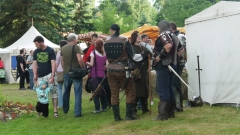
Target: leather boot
[
  {"x": 171, "y": 110},
  {"x": 129, "y": 112},
  {"x": 144, "y": 109},
  {"x": 144, "y": 105},
  {"x": 163, "y": 108},
  {"x": 116, "y": 113}
]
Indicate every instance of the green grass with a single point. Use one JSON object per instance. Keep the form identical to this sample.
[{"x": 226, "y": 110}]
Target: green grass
[{"x": 201, "y": 121}]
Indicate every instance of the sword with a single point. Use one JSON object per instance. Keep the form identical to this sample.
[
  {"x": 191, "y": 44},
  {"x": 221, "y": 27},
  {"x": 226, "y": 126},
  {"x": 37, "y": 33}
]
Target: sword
[{"x": 170, "y": 68}]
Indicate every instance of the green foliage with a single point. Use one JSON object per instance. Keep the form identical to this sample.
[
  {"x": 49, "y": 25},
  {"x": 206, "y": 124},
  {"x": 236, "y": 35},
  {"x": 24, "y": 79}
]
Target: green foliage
[
  {"x": 129, "y": 14},
  {"x": 51, "y": 17},
  {"x": 108, "y": 16},
  {"x": 179, "y": 10}
]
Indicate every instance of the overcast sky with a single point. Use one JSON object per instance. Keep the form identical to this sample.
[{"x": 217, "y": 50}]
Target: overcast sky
[{"x": 97, "y": 3}]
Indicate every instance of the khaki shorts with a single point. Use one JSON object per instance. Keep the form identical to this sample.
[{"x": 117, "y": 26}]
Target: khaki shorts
[{"x": 54, "y": 92}]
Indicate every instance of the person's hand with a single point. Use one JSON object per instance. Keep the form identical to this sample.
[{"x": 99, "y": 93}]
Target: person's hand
[
  {"x": 105, "y": 67},
  {"x": 51, "y": 80},
  {"x": 35, "y": 81},
  {"x": 157, "y": 59}
]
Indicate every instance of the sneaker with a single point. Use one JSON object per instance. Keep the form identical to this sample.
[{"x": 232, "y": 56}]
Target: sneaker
[
  {"x": 39, "y": 114},
  {"x": 103, "y": 110},
  {"x": 96, "y": 112},
  {"x": 22, "y": 89},
  {"x": 55, "y": 114}
]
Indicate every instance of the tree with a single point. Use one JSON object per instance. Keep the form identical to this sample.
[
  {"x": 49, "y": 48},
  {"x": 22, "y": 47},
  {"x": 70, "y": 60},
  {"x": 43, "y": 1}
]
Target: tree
[
  {"x": 179, "y": 10},
  {"x": 108, "y": 16},
  {"x": 82, "y": 17},
  {"x": 51, "y": 17}
]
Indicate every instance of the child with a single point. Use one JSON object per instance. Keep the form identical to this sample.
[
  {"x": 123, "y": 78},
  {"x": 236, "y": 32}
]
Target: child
[{"x": 42, "y": 93}]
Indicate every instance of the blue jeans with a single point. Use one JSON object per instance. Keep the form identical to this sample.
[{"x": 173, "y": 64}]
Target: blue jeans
[
  {"x": 78, "y": 95},
  {"x": 60, "y": 94},
  {"x": 31, "y": 78},
  {"x": 102, "y": 99},
  {"x": 164, "y": 85}
]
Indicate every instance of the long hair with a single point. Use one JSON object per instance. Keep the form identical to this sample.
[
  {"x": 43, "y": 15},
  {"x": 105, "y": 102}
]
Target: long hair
[
  {"x": 99, "y": 46},
  {"x": 134, "y": 37}
]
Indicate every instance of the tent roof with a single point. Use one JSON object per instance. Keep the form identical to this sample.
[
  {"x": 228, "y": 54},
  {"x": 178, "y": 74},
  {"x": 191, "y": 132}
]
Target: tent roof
[
  {"x": 5, "y": 51},
  {"x": 26, "y": 41},
  {"x": 219, "y": 10},
  {"x": 151, "y": 31}
]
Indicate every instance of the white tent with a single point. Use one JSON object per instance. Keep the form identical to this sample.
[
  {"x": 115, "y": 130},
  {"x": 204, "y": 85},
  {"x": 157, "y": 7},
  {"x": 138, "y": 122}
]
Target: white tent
[
  {"x": 214, "y": 35},
  {"x": 26, "y": 41},
  {"x": 6, "y": 58}
]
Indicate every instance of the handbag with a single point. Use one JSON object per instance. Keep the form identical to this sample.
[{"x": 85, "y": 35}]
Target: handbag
[
  {"x": 76, "y": 73},
  {"x": 60, "y": 77}
]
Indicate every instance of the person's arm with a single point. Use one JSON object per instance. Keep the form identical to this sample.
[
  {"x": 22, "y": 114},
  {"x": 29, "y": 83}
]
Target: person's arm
[
  {"x": 61, "y": 60},
  {"x": 53, "y": 65},
  {"x": 129, "y": 50},
  {"x": 91, "y": 63},
  {"x": 21, "y": 63},
  {"x": 79, "y": 58},
  {"x": 58, "y": 58},
  {"x": 29, "y": 60},
  {"x": 34, "y": 67}
]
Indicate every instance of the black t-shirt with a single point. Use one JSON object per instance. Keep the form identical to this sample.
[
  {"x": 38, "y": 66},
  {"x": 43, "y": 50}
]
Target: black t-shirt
[
  {"x": 43, "y": 58},
  {"x": 20, "y": 59}
]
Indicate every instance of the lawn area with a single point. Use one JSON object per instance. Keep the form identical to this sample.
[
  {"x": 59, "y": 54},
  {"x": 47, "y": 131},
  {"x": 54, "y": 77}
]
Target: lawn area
[{"x": 198, "y": 121}]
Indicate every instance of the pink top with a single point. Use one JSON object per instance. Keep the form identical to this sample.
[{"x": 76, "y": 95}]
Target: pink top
[{"x": 58, "y": 61}]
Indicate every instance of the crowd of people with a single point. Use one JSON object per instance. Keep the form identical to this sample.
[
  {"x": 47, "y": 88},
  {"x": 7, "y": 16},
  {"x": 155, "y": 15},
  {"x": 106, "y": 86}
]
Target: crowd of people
[{"x": 116, "y": 64}]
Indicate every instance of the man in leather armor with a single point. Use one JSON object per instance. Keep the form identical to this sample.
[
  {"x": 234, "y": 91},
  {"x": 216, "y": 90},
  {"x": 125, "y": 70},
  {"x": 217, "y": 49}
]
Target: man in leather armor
[
  {"x": 118, "y": 50},
  {"x": 166, "y": 46}
]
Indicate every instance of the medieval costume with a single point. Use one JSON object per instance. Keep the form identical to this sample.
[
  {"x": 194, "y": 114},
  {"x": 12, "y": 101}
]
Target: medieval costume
[{"x": 140, "y": 83}]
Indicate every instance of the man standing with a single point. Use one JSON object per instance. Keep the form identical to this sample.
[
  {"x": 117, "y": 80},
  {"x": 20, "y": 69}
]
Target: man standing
[
  {"x": 29, "y": 62},
  {"x": 144, "y": 42},
  {"x": 179, "y": 67},
  {"x": 44, "y": 67},
  {"x": 86, "y": 57},
  {"x": 77, "y": 62},
  {"x": 166, "y": 46},
  {"x": 118, "y": 50},
  {"x": 21, "y": 66}
]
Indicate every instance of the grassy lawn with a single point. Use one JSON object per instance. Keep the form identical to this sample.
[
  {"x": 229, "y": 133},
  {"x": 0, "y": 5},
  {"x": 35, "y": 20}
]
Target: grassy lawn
[{"x": 201, "y": 121}]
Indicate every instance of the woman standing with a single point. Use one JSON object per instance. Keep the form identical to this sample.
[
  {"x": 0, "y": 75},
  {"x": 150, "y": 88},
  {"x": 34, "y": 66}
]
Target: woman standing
[
  {"x": 142, "y": 66},
  {"x": 98, "y": 61},
  {"x": 59, "y": 69}
]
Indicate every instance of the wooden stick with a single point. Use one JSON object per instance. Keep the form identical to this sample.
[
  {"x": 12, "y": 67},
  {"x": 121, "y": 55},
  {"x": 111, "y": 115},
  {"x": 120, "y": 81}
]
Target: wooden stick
[{"x": 149, "y": 82}]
